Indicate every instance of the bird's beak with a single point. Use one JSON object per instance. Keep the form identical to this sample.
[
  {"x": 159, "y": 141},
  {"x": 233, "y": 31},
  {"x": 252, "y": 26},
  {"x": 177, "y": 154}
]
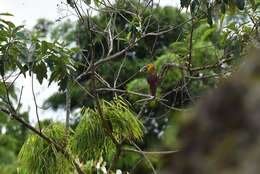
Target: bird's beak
[{"x": 143, "y": 69}]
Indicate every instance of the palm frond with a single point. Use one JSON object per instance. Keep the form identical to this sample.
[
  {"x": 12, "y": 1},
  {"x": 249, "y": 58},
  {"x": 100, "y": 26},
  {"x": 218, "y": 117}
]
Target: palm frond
[{"x": 38, "y": 156}]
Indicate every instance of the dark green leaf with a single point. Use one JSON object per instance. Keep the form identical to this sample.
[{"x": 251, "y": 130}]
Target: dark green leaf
[
  {"x": 40, "y": 70},
  {"x": 2, "y": 68},
  {"x": 3, "y": 35},
  {"x": 209, "y": 16},
  {"x": 6, "y": 14},
  {"x": 97, "y": 2},
  {"x": 21, "y": 35},
  {"x": 193, "y": 6},
  {"x": 18, "y": 28},
  {"x": 252, "y": 2},
  {"x": 63, "y": 83},
  {"x": 2, "y": 26},
  {"x": 53, "y": 77},
  {"x": 71, "y": 3},
  {"x": 240, "y": 4},
  {"x": 44, "y": 47},
  {"x": 23, "y": 68},
  {"x": 88, "y": 2},
  {"x": 185, "y": 3},
  {"x": 10, "y": 24},
  {"x": 223, "y": 8}
]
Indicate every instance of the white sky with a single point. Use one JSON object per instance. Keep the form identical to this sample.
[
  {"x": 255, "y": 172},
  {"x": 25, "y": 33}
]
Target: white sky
[{"x": 27, "y": 12}]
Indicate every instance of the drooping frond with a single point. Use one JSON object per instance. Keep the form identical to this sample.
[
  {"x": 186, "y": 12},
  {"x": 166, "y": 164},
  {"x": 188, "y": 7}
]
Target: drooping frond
[
  {"x": 91, "y": 141},
  {"x": 38, "y": 156},
  {"x": 126, "y": 126}
]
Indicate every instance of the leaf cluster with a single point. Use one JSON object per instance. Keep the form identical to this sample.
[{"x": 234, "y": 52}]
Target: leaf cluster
[
  {"x": 39, "y": 156},
  {"x": 91, "y": 140}
]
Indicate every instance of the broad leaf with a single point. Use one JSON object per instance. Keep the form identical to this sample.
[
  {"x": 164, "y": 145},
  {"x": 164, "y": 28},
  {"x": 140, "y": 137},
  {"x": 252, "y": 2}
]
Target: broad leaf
[{"x": 40, "y": 70}]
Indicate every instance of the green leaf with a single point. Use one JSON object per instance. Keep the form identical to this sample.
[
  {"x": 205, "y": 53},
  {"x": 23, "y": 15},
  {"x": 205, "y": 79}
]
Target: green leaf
[
  {"x": 22, "y": 68},
  {"x": 21, "y": 35},
  {"x": 2, "y": 26},
  {"x": 240, "y": 4},
  {"x": 63, "y": 83},
  {"x": 6, "y": 14},
  {"x": 88, "y": 2},
  {"x": 53, "y": 77},
  {"x": 2, "y": 88},
  {"x": 232, "y": 26},
  {"x": 97, "y": 3},
  {"x": 44, "y": 47},
  {"x": 40, "y": 70},
  {"x": 2, "y": 68},
  {"x": 129, "y": 35},
  {"x": 223, "y": 7},
  {"x": 252, "y": 2},
  {"x": 193, "y": 6},
  {"x": 10, "y": 24},
  {"x": 3, "y": 35},
  {"x": 232, "y": 7},
  {"x": 209, "y": 16},
  {"x": 185, "y": 3},
  {"x": 18, "y": 28}
]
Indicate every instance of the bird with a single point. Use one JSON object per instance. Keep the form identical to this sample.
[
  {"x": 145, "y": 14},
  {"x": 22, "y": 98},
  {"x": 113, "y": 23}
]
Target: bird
[{"x": 152, "y": 78}]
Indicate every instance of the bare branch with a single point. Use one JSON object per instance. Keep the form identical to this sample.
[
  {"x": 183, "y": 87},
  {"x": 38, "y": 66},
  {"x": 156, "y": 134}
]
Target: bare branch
[
  {"x": 36, "y": 106},
  {"x": 68, "y": 105},
  {"x": 151, "y": 152}
]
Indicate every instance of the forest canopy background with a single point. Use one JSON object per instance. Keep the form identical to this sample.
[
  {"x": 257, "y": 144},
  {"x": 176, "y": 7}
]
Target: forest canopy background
[{"x": 128, "y": 80}]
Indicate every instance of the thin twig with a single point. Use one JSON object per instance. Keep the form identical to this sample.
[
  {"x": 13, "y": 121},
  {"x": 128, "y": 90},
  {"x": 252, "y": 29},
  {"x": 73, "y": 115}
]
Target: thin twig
[
  {"x": 118, "y": 72},
  {"x": 68, "y": 105},
  {"x": 147, "y": 159},
  {"x": 211, "y": 66},
  {"x": 151, "y": 152},
  {"x": 36, "y": 106},
  {"x": 190, "y": 46},
  {"x": 19, "y": 101}
]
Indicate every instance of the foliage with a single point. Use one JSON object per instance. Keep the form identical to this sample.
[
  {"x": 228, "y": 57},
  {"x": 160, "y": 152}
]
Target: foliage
[
  {"x": 97, "y": 64},
  {"x": 139, "y": 85},
  {"x": 91, "y": 140},
  {"x": 12, "y": 137},
  {"x": 39, "y": 156},
  {"x": 172, "y": 76},
  {"x": 12, "y": 47},
  {"x": 230, "y": 113}
]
